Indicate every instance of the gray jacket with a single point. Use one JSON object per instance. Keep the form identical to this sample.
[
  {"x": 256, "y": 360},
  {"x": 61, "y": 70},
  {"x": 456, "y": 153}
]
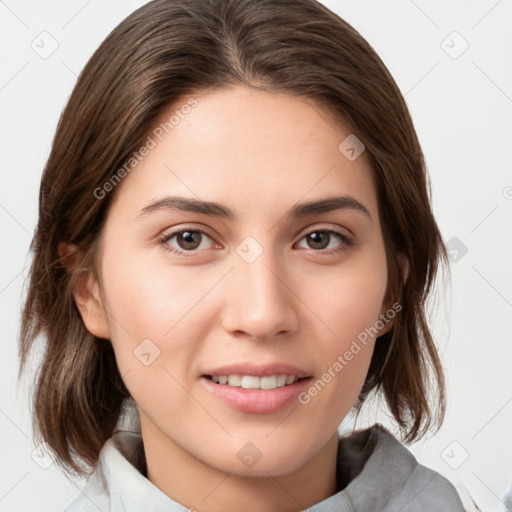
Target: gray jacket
[{"x": 382, "y": 476}]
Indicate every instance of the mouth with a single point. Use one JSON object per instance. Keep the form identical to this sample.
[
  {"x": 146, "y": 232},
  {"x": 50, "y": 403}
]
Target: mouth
[
  {"x": 254, "y": 389},
  {"x": 255, "y": 382}
]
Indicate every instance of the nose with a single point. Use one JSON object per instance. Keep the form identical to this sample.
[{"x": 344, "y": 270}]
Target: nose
[{"x": 261, "y": 303}]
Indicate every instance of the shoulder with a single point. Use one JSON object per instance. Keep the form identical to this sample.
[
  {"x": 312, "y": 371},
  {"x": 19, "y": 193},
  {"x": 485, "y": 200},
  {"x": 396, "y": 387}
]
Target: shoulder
[
  {"x": 116, "y": 461},
  {"x": 118, "y": 482},
  {"x": 418, "y": 488},
  {"x": 94, "y": 495}
]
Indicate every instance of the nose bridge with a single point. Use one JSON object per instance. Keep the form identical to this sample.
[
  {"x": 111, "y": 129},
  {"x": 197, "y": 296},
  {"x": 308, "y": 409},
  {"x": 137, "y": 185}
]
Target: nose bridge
[{"x": 260, "y": 304}]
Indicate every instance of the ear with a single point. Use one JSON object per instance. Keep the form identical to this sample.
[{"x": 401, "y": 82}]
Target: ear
[
  {"x": 393, "y": 310},
  {"x": 404, "y": 266},
  {"x": 86, "y": 292}
]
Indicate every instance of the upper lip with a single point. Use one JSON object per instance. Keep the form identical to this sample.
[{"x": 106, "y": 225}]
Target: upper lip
[{"x": 258, "y": 370}]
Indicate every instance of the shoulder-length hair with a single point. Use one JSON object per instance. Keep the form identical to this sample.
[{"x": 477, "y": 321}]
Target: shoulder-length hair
[{"x": 154, "y": 58}]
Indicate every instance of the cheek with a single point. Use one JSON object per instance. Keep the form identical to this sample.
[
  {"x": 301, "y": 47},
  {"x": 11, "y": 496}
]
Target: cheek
[
  {"x": 150, "y": 298},
  {"x": 152, "y": 311},
  {"x": 351, "y": 300}
]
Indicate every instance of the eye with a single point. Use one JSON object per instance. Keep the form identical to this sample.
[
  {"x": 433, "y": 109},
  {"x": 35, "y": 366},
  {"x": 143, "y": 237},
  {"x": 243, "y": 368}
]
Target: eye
[
  {"x": 186, "y": 240},
  {"x": 321, "y": 239}
]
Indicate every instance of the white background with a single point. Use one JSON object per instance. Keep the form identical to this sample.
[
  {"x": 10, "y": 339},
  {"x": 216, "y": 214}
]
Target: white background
[{"x": 462, "y": 111}]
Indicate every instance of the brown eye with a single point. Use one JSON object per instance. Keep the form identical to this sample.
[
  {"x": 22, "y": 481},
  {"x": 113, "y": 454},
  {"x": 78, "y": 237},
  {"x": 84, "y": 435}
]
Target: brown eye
[
  {"x": 322, "y": 239},
  {"x": 319, "y": 239},
  {"x": 186, "y": 240},
  {"x": 189, "y": 240}
]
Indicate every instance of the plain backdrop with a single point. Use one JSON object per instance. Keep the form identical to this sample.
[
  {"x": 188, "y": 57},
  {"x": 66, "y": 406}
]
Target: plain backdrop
[{"x": 451, "y": 60}]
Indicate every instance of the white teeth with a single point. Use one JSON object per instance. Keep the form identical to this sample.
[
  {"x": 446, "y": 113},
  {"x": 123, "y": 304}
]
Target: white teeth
[
  {"x": 268, "y": 382},
  {"x": 253, "y": 382},
  {"x": 249, "y": 382},
  {"x": 234, "y": 380}
]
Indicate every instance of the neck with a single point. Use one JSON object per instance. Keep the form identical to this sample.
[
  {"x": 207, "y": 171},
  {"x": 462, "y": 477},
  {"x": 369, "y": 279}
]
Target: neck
[{"x": 203, "y": 488}]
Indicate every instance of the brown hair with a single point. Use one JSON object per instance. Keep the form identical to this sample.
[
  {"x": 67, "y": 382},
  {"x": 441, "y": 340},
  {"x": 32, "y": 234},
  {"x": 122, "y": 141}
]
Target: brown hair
[{"x": 159, "y": 54}]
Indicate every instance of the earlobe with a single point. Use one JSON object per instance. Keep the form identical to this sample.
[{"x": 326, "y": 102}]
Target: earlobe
[
  {"x": 86, "y": 292},
  {"x": 404, "y": 266},
  {"x": 388, "y": 320}
]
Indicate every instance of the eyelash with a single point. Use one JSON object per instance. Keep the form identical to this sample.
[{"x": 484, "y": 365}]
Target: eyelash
[{"x": 346, "y": 241}]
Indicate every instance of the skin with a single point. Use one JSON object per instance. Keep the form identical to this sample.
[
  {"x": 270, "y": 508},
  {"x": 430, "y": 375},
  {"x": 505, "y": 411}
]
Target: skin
[{"x": 257, "y": 153}]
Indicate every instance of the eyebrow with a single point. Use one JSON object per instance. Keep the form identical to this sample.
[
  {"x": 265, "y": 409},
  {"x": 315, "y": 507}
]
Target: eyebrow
[{"x": 328, "y": 204}]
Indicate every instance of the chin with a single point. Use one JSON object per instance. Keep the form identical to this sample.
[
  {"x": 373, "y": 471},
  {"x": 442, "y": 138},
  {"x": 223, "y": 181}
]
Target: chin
[{"x": 258, "y": 459}]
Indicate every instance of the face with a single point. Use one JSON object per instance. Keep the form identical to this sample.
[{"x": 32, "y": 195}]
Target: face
[{"x": 261, "y": 285}]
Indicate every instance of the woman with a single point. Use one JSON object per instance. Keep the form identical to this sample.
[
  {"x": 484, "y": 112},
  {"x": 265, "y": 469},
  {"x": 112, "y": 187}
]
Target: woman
[{"x": 234, "y": 248}]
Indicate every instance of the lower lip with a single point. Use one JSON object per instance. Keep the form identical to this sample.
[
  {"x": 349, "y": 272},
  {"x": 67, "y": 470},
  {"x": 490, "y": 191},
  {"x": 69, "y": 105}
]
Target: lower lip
[{"x": 259, "y": 401}]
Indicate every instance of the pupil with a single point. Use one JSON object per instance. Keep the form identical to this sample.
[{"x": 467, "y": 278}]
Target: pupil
[
  {"x": 316, "y": 237},
  {"x": 190, "y": 238}
]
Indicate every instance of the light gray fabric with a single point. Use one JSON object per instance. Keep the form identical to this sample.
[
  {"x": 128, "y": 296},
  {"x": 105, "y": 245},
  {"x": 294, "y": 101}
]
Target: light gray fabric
[{"x": 389, "y": 479}]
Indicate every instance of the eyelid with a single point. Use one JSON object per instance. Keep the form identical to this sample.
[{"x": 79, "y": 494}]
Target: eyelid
[
  {"x": 185, "y": 227},
  {"x": 319, "y": 227},
  {"x": 346, "y": 239},
  {"x": 305, "y": 231}
]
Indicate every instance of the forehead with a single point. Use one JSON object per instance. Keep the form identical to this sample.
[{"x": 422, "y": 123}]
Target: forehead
[{"x": 250, "y": 149}]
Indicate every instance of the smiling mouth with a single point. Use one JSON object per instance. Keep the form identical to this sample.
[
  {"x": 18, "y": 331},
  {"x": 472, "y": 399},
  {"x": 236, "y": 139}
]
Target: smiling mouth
[{"x": 255, "y": 382}]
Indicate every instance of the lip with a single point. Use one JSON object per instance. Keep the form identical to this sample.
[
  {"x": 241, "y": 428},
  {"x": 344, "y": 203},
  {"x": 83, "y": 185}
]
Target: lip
[
  {"x": 257, "y": 401},
  {"x": 256, "y": 370}
]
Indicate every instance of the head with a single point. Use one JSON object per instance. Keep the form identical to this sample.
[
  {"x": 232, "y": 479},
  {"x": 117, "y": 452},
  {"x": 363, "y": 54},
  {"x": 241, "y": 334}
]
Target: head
[{"x": 193, "y": 100}]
